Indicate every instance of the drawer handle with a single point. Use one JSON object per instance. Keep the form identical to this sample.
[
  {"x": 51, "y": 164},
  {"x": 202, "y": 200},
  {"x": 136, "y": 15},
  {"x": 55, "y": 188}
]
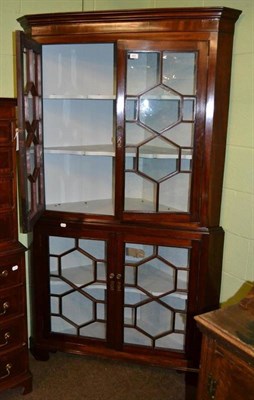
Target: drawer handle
[
  {"x": 4, "y": 273},
  {"x": 7, "y": 336},
  {"x": 211, "y": 386},
  {"x": 5, "y": 306},
  {"x": 8, "y": 368}
]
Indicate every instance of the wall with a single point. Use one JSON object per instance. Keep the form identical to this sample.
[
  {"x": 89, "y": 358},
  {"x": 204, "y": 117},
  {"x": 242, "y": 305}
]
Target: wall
[{"x": 237, "y": 217}]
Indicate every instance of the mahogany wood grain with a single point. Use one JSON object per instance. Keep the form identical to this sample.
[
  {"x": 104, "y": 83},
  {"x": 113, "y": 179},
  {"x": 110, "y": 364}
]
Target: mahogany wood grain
[
  {"x": 227, "y": 358},
  {"x": 14, "y": 368}
]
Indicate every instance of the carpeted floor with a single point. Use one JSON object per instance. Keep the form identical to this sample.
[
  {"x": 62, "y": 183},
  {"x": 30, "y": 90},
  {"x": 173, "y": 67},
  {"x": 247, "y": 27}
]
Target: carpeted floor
[{"x": 71, "y": 377}]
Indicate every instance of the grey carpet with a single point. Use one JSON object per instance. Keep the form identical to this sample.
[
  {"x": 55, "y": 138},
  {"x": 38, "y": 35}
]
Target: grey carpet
[{"x": 71, "y": 377}]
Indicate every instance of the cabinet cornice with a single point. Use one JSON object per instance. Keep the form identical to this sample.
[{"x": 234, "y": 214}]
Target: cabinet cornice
[{"x": 147, "y": 20}]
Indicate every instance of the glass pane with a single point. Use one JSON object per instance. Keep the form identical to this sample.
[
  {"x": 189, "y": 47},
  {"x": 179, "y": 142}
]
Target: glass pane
[
  {"x": 188, "y": 109},
  {"x": 140, "y": 193},
  {"x": 78, "y": 286},
  {"x": 135, "y": 134},
  {"x": 131, "y": 109},
  {"x": 172, "y": 341},
  {"x": 159, "y": 109},
  {"x": 96, "y": 329},
  {"x": 160, "y": 159},
  {"x": 179, "y": 71},
  {"x": 142, "y": 71},
  {"x": 181, "y": 134},
  {"x": 175, "y": 193},
  {"x": 155, "y": 295},
  {"x": 60, "y": 325}
]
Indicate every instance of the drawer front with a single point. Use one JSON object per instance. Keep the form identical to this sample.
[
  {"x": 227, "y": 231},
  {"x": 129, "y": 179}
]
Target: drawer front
[
  {"x": 6, "y": 160},
  {"x": 12, "y": 334},
  {"x": 5, "y": 128},
  {"x": 13, "y": 364},
  {"x": 7, "y": 193},
  {"x": 12, "y": 303},
  {"x": 11, "y": 271},
  {"x": 8, "y": 224}
]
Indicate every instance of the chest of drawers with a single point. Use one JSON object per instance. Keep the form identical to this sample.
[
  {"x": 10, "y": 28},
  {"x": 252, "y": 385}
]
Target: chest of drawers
[
  {"x": 14, "y": 370},
  {"x": 227, "y": 359}
]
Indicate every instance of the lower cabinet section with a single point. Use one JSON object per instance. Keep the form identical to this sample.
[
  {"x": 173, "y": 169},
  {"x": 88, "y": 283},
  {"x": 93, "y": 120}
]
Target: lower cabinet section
[
  {"x": 154, "y": 284},
  {"x": 123, "y": 293}
]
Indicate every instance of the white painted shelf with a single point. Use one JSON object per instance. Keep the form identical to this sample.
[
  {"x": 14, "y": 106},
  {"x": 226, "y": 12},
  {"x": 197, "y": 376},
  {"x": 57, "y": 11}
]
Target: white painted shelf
[
  {"x": 79, "y": 97},
  {"x": 106, "y": 206},
  {"x": 108, "y": 150}
]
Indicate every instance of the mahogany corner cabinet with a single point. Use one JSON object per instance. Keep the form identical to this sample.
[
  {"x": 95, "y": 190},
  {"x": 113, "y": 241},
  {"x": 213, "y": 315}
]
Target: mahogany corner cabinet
[{"x": 122, "y": 119}]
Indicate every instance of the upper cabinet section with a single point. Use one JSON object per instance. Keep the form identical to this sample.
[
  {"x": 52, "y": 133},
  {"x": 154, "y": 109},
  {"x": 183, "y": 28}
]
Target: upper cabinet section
[{"x": 123, "y": 114}]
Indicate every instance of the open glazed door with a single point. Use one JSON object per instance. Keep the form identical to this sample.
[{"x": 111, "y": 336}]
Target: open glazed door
[{"x": 31, "y": 172}]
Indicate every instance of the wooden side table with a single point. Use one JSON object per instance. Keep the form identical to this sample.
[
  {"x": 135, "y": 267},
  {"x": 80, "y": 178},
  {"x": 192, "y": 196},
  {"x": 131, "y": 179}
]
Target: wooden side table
[{"x": 227, "y": 357}]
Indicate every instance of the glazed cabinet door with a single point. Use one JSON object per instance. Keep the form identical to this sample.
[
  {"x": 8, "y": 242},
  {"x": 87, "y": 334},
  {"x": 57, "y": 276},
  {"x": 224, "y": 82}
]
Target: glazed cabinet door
[
  {"x": 124, "y": 292},
  {"x": 161, "y": 118},
  {"x": 31, "y": 170},
  {"x": 160, "y": 293},
  {"x": 72, "y": 276}
]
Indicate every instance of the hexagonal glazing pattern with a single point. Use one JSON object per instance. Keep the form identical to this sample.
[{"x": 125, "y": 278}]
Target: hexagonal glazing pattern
[
  {"x": 159, "y": 124},
  {"x": 167, "y": 165},
  {"x": 78, "y": 286},
  {"x": 155, "y": 296},
  {"x": 159, "y": 108}
]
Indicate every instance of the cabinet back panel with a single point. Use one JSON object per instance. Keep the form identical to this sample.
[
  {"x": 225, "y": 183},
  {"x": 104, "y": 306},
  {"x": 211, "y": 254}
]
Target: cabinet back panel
[
  {"x": 70, "y": 122},
  {"x": 93, "y": 178},
  {"x": 78, "y": 69}
]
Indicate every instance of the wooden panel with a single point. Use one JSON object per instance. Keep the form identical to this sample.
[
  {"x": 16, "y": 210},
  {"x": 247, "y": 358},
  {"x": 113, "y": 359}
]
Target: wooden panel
[
  {"x": 8, "y": 225},
  {"x": 5, "y": 129},
  {"x": 227, "y": 358},
  {"x": 11, "y": 271},
  {"x": 11, "y": 303},
  {"x": 6, "y": 160},
  {"x": 8, "y": 216},
  {"x": 7, "y": 193},
  {"x": 12, "y": 334},
  {"x": 12, "y": 364}
]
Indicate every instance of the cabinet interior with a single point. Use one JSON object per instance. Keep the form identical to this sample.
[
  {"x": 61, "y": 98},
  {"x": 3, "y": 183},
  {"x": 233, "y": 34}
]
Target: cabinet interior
[
  {"x": 155, "y": 291},
  {"x": 80, "y": 89}
]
